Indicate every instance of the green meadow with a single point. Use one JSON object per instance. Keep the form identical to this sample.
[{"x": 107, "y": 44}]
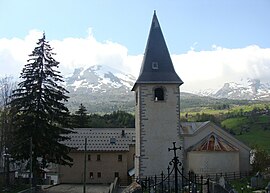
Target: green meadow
[
  {"x": 248, "y": 123},
  {"x": 253, "y": 132}
]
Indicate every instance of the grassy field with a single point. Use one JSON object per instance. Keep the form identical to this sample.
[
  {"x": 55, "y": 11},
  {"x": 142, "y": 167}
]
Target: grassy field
[
  {"x": 251, "y": 132},
  {"x": 232, "y": 109},
  {"x": 251, "y": 129}
]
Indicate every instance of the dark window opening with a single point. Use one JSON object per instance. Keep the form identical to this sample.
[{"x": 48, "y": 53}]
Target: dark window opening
[
  {"x": 112, "y": 141},
  {"x": 89, "y": 157},
  {"x": 120, "y": 158},
  {"x": 99, "y": 174},
  {"x": 159, "y": 94},
  {"x": 91, "y": 175},
  {"x": 154, "y": 65},
  {"x": 98, "y": 157}
]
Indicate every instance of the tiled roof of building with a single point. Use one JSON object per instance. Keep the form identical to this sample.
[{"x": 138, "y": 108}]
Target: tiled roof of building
[
  {"x": 157, "y": 66},
  {"x": 213, "y": 142},
  {"x": 191, "y": 127},
  {"x": 101, "y": 139}
]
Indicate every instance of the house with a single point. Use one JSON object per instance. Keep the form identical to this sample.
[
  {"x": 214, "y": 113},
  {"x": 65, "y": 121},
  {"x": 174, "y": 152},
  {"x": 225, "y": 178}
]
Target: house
[{"x": 109, "y": 154}]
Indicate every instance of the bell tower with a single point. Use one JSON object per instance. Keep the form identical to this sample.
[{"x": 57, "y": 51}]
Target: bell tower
[{"x": 157, "y": 110}]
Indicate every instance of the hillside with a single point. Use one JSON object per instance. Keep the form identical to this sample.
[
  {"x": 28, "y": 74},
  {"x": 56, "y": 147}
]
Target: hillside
[
  {"x": 192, "y": 102},
  {"x": 248, "y": 123},
  {"x": 103, "y": 89},
  {"x": 252, "y": 131},
  {"x": 106, "y": 103}
]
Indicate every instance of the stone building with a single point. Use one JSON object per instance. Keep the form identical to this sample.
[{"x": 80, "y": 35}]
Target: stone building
[
  {"x": 157, "y": 108},
  {"x": 209, "y": 149},
  {"x": 109, "y": 154},
  {"x": 206, "y": 148}
]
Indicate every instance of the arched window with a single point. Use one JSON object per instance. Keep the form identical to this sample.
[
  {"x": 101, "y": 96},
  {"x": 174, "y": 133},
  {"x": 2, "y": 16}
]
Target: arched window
[{"x": 159, "y": 94}]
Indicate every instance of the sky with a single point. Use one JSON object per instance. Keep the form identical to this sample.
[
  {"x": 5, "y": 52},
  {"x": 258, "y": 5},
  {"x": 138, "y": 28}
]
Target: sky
[{"x": 211, "y": 42}]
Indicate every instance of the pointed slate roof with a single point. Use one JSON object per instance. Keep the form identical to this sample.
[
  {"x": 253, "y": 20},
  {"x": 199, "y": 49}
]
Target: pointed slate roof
[{"x": 157, "y": 66}]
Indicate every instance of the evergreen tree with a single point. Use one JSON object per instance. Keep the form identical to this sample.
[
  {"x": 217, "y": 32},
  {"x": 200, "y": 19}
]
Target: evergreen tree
[
  {"x": 39, "y": 111},
  {"x": 260, "y": 160},
  {"x": 6, "y": 87},
  {"x": 81, "y": 119}
]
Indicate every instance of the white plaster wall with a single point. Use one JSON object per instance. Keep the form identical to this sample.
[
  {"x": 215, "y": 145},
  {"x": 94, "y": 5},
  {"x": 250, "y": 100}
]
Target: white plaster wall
[
  {"x": 213, "y": 162},
  {"x": 107, "y": 166},
  {"x": 243, "y": 151},
  {"x": 157, "y": 127}
]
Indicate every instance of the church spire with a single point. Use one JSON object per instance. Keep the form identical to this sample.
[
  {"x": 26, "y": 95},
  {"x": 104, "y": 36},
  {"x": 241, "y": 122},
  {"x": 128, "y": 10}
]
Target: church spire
[{"x": 157, "y": 66}]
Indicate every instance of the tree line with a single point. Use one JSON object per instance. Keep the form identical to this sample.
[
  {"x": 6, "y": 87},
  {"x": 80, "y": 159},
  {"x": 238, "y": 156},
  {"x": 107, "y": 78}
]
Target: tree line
[{"x": 116, "y": 119}]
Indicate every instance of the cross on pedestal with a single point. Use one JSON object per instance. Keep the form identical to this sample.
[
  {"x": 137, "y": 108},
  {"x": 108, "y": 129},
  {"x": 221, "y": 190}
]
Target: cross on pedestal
[
  {"x": 174, "y": 148},
  {"x": 175, "y": 165}
]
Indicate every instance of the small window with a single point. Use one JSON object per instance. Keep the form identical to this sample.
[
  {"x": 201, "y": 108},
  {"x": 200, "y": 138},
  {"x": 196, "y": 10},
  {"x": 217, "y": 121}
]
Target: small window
[
  {"x": 99, "y": 174},
  {"x": 116, "y": 174},
  {"x": 133, "y": 138},
  {"x": 98, "y": 157},
  {"x": 159, "y": 94},
  {"x": 89, "y": 157},
  {"x": 154, "y": 65},
  {"x": 91, "y": 175},
  {"x": 113, "y": 141},
  {"x": 120, "y": 158}
]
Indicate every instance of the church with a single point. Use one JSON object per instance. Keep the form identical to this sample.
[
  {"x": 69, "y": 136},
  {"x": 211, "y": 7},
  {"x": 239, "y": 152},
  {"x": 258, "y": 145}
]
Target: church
[
  {"x": 205, "y": 148},
  {"x": 143, "y": 151}
]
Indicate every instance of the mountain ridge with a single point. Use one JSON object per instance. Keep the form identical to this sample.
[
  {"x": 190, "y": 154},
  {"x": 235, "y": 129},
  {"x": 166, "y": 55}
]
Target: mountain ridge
[
  {"x": 103, "y": 89},
  {"x": 100, "y": 88},
  {"x": 248, "y": 89}
]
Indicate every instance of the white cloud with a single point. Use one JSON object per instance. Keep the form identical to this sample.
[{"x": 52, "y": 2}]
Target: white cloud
[
  {"x": 198, "y": 69},
  {"x": 211, "y": 69},
  {"x": 84, "y": 52},
  {"x": 14, "y": 53}
]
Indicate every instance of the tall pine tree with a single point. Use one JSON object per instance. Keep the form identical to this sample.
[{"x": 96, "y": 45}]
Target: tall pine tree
[
  {"x": 39, "y": 111},
  {"x": 81, "y": 119}
]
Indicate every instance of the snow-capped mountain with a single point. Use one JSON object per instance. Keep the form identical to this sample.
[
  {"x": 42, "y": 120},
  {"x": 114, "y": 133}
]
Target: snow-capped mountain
[
  {"x": 249, "y": 89},
  {"x": 100, "y": 88},
  {"x": 105, "y": 89},
  {"x": 99, "y": 79}
]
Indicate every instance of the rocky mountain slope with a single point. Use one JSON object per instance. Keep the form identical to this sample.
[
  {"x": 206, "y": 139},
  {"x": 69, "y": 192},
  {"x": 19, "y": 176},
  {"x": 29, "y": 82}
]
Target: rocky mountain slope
[
  {"x": 100, "y": 89},
  {"x": 250, "y": 89},
  {"x": 103, "y": 89}
]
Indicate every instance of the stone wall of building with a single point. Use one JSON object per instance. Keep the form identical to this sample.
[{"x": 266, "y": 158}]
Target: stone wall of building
[
  {"x": 101, "y": 167},
  {"x": 157, "y": 127}
]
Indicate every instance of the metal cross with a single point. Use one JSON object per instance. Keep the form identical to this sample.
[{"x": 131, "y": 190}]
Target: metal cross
[
  {"x": 174, "y": 148},
  {"x": 175, "y": 165}
]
